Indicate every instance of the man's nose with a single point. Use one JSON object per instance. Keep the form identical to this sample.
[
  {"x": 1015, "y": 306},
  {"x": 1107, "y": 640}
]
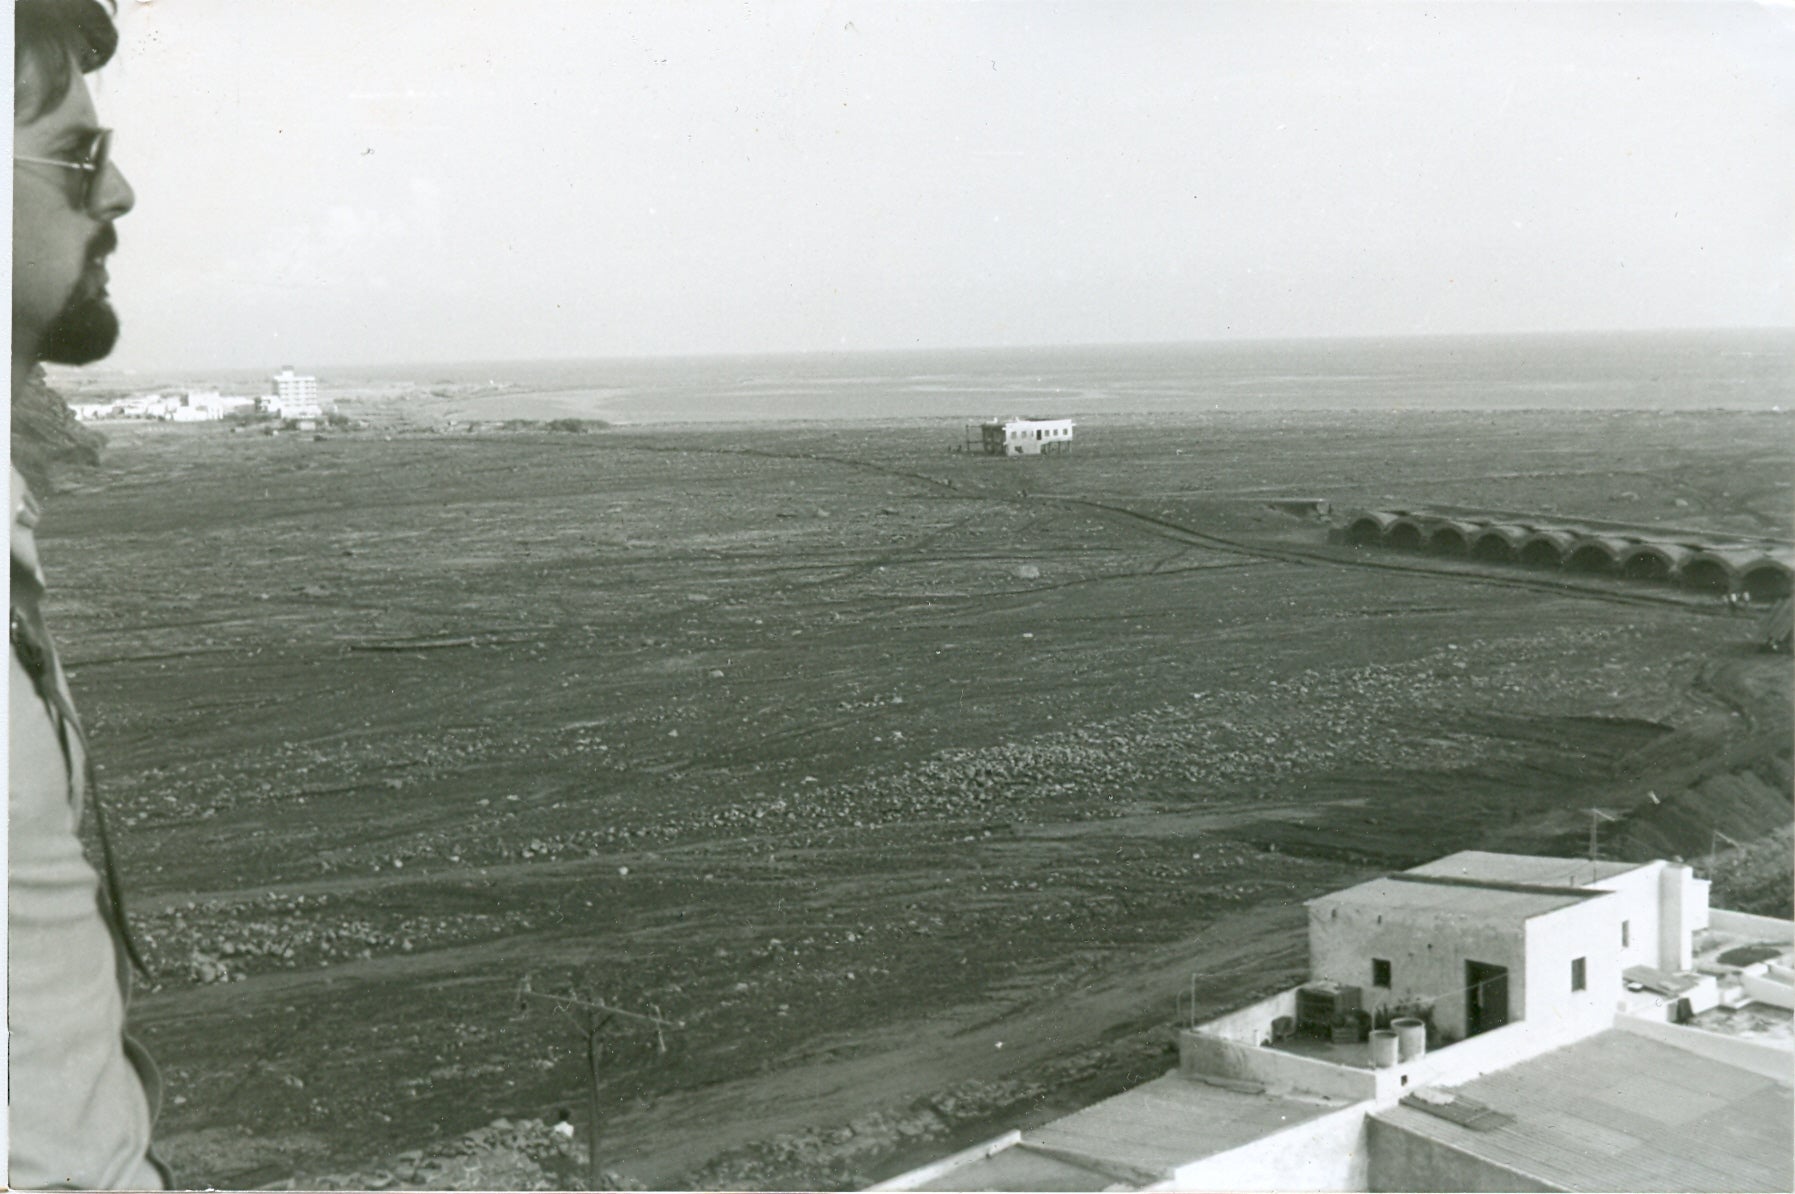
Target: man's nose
[{"x": 115, "y": 196}]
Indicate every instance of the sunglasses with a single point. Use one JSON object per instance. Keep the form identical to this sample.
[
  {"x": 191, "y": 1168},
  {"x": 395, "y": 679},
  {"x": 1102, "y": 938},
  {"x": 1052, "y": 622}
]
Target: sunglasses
[{"x": 92, "y": 165}]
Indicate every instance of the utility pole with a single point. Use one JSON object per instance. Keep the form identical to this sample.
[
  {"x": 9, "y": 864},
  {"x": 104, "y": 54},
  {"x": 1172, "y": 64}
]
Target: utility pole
[
  {"x": 590, "y": 1018},
  {"x": 1715, "y": 837},
  {"x": 1596, "y": 817}
]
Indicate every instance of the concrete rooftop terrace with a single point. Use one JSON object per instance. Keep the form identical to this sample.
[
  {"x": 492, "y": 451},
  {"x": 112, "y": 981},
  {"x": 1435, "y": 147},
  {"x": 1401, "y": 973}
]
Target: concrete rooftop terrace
[
  {"x": 1620, "y": 1112},
  {"x": 1448, "y": 896},
  {"x": 1534, "y": 869},
  {"x": 1132, "y": 1139}
]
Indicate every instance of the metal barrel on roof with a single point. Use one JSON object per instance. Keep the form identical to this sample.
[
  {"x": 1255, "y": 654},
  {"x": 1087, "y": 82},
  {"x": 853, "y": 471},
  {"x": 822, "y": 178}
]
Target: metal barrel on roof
[
  {"x": 1411, "y": 1037},
  {"x": 1385, "y": 1048}
]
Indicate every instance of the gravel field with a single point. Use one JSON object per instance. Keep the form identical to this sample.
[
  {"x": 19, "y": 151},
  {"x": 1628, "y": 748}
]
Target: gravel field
[{"x": 927, "y": 791}]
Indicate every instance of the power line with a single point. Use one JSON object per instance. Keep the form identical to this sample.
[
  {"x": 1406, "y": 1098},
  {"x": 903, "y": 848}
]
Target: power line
[
  {"x": 590, "y": 1018},
  {"x": 562, "y": 1002}
]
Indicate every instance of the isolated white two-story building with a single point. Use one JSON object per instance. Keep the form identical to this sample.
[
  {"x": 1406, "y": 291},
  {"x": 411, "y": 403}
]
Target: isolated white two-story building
[{"x": 1026, "y": 437}]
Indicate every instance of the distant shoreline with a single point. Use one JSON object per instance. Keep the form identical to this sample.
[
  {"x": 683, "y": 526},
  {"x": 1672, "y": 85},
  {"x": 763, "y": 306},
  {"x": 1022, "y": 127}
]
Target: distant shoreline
[
  {"x": 1725, "y": 370},
  {"x": 429, "y": 368}
]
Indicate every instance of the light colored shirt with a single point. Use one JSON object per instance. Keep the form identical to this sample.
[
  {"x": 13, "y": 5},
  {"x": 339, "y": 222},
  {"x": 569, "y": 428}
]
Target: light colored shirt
[{"x": 79, "y": 1113}]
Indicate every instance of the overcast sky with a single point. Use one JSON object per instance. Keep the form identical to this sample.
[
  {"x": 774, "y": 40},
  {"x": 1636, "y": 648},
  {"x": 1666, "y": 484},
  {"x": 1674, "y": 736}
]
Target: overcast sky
[{"x": 343, "y": 181}]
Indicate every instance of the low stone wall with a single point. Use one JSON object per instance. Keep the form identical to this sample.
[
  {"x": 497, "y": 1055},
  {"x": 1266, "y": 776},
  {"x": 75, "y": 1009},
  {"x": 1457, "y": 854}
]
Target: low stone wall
[
  {"x": 1328, "y": 1153},
  {"x": 1473, "y": 1057},
  {"x": 1766, "y": 1060},
  {"x": 1745, "y": 924},
  {"x": 946, "y": 1165},
  {"x": 1251, "y": 1025},
  {"x": 1203, "y": 1056},
  {"x": 1404, "y": 1160},
  {"x": 1765, "y": 989}
]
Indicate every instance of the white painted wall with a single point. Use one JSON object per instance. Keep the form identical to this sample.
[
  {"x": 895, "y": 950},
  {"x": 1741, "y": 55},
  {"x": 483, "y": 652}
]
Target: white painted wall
[
  {"x": 1328, "y": 1153},
  {"x": 1252, "y": 1024},
  {"x": 1473, "y": 1057},
  {"x": 1427, "y": 952},
  {"x": 1663, "y": 903},
  {"x": 946, "y": 1165},
  {"x": 1680, "y": 913},
  {"x": 1700, "y": 893},
  {"x": 1745, "y": 924},
  {"x": 1589, "y": 929},
  {"x": 1765, "y": 989},
  {"x": 1200, "y": 1055},
  {"x": 1638, "y": 894}
]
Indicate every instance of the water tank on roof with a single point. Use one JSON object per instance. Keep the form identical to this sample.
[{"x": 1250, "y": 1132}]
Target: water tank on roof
[{"x": 1411, "y": 1037}]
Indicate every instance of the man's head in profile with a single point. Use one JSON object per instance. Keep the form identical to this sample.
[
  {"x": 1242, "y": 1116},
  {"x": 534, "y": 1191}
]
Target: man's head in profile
[{"x": 66, "y": 192}]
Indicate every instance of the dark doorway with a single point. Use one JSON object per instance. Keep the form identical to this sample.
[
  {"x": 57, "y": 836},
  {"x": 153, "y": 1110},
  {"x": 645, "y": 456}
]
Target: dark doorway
[
  {"x": 1765, "y": 582},
  {"x": 1405, "y": 536},
  {"x": 1486, "y": 997},
  {"x": 1541, "y": 553}
]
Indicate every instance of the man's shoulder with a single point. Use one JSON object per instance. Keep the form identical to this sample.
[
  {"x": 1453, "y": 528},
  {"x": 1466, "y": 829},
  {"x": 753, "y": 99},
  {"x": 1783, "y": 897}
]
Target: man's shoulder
[{"x": 23, "y": 529}]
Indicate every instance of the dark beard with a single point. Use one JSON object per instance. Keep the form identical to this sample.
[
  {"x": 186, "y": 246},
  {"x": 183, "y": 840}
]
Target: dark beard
[
  {"x": 82, "y": 332},
  {"x": 87, "y": 327}
]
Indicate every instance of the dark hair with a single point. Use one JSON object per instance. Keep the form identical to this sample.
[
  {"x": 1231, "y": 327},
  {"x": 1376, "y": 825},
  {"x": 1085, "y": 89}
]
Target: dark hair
[{"x": 48, "y": 35}]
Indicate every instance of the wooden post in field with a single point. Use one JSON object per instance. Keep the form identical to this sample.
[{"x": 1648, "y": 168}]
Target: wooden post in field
[
  {"x": 594, "y": 1049},
  {"x": 591, "y": 1018}
]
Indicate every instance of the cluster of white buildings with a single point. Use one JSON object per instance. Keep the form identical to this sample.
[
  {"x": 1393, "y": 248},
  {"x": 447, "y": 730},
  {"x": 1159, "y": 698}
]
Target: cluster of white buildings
[
  {"x": 293, "y": 396},
  {"x": 1482, "y": 1022},
  {"x": 190, "y": 406}
]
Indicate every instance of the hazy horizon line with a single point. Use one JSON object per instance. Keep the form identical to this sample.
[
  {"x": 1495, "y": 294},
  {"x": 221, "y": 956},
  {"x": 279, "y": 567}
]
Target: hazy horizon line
[{"x": 100, "y": 368}]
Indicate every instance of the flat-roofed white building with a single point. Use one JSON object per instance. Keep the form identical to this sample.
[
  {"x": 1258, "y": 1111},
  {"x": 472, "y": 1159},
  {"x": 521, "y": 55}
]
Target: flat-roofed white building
[
  {"x": 199, "y": 406},
  {"x": 1026, "y": 437},
  {"x": 148, "y": 406},
  {"x": 1540, "y": 1024},
  {"x": 1481, "y": 939}
]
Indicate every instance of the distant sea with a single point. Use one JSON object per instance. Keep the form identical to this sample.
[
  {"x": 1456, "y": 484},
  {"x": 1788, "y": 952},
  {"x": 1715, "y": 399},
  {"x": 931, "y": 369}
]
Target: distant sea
[{"x": 1741, "y": 370}]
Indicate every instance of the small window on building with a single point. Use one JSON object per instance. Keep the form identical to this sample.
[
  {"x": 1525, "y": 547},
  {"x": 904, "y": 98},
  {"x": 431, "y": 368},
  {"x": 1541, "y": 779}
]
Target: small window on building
[
  {"x": 1380, "y": 972},
  {"x": 1626, "y": 933},
  {"x": 1579, "y": 980}
]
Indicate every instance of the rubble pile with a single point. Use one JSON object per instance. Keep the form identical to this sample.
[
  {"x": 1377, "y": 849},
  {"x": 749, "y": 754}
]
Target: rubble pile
[
  {"x": 220, "y": 940},
  {"x": 506, "y": 1154}
]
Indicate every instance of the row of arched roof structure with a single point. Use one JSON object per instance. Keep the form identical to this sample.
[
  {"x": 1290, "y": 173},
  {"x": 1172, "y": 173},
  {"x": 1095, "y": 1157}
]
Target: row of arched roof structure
[{"x": 1763, "y": 571}]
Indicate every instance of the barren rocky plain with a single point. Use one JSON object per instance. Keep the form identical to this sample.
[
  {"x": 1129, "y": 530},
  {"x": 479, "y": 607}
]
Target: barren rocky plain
[{"x": 926, "y": 792}]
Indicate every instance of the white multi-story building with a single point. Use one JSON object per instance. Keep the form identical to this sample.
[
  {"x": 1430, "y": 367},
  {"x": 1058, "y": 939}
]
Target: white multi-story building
[{"x": 295, "y": 395}]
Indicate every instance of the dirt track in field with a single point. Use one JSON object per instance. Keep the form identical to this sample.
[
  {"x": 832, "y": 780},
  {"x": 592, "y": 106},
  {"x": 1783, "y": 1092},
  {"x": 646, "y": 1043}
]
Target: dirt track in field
[{"x": 855, "y": 755}]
